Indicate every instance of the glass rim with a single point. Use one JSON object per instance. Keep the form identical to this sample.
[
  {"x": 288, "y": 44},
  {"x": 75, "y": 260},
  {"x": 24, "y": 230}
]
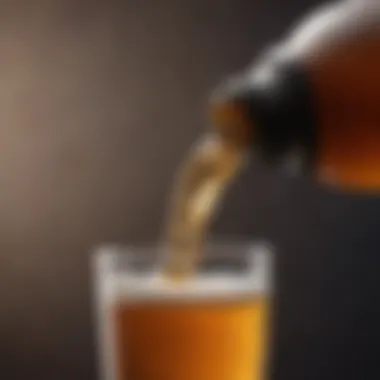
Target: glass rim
[{"x": 220, "y": 256}]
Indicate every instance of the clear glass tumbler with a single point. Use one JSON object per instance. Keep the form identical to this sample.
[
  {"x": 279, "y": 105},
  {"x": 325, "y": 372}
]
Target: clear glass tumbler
[{"x": 213, "y": 326}]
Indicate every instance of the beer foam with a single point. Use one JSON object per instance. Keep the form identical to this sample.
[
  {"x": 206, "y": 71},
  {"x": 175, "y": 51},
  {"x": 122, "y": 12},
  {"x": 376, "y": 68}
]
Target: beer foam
[{"x": 155, "y": 287}]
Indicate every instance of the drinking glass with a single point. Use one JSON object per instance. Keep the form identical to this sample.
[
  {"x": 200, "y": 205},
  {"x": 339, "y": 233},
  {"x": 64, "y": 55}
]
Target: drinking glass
[{"x": 211, "y": 326}]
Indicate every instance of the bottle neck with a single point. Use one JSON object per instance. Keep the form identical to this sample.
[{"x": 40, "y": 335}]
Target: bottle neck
[{"x": 271, "y": 106}]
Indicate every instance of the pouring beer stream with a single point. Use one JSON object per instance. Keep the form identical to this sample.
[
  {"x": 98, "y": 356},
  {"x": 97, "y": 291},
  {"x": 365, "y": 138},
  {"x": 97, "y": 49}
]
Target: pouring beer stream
[{"x": 211, "y": 166}]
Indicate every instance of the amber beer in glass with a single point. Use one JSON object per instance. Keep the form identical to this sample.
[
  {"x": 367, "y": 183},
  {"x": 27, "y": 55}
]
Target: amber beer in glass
[{"x": 213, "y": 325}]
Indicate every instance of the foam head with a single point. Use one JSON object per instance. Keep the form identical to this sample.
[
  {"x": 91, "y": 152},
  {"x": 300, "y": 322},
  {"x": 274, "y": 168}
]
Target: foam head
[{"x": 154, "y": 287}]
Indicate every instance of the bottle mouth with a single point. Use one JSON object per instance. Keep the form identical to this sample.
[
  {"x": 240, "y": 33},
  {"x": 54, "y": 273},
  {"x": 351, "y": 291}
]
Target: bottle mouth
[
  {"x": 234, "y": 123},
  {"x": 274, "y": 104}
]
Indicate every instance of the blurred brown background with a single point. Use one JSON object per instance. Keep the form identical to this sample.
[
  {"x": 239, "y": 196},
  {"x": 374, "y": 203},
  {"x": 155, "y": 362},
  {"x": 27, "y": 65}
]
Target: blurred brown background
[{"x": 99, "y": 100}]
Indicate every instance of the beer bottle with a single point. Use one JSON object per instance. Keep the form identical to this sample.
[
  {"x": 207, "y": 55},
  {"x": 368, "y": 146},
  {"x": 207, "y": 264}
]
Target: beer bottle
[{"x": 316, "y": 93}]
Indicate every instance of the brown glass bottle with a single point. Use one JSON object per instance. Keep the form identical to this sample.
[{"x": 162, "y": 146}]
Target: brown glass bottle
[{"x": 317, "y": 91}]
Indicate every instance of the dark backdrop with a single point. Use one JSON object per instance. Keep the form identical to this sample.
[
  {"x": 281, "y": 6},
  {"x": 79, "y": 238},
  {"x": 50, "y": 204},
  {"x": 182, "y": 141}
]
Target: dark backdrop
[{"x": 99, "y": 100}]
